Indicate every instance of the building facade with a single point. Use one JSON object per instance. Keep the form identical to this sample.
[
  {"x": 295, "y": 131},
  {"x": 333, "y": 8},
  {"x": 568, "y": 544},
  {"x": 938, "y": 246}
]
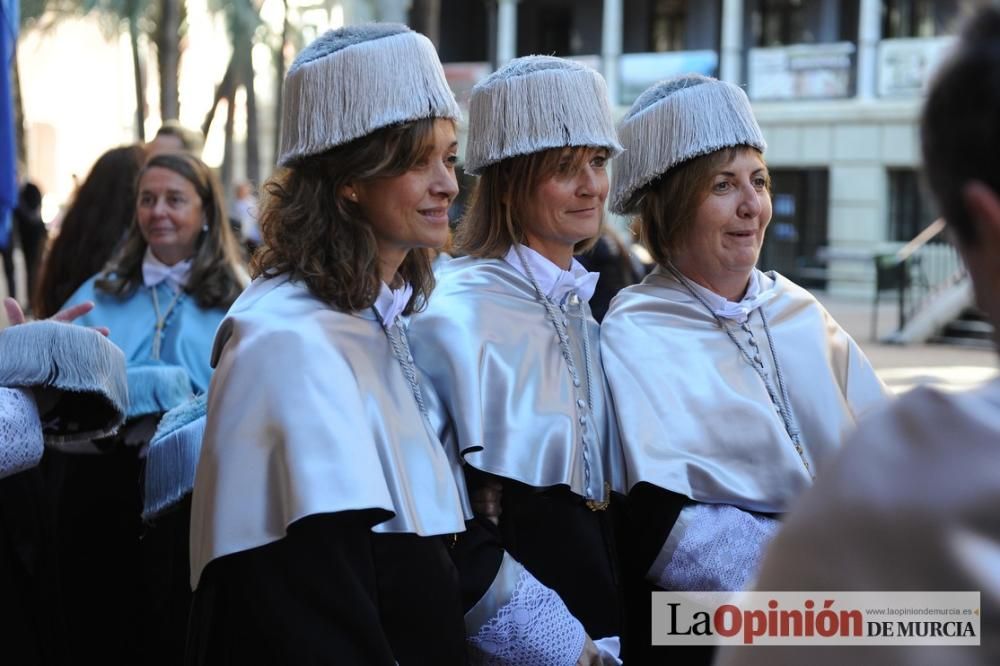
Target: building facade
[{"x": 836, "y": 86}]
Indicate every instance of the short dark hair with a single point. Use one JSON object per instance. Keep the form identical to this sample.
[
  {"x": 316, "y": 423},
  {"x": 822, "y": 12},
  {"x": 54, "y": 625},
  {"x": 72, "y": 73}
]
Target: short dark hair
[
  {"x": 190, "y": 139},
  {"x": 316, "y": 235},
  {"x": 960, "y": 126}
]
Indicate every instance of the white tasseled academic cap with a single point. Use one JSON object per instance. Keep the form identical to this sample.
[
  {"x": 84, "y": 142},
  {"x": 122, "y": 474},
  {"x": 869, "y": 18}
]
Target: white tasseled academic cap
[
  {"x": 86, "y": 369},
  {"x": 674, "y": 121},
  {"x": 535, "y": 103},
  {"x": 350, "y": 82}
]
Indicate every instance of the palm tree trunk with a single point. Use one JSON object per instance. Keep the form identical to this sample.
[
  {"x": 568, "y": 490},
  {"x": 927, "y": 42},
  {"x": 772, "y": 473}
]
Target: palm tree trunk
[
  {"x": 19, "y": 133},
  {"x": 227, "y": 152},
  {"x": 279, "y": 66},
  {"x": 140, "y": 88},
  {"x": 168, "y": 53},
  {"x": 224, "y": 90},
  {"x": 252, "y": 145}
]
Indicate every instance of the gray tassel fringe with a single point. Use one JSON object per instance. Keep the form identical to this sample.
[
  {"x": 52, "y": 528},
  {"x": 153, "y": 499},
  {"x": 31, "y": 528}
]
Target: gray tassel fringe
[
  {"x": 156, "y": 388},
  {"x": 353, "y": 81},
  {"x": 674, "y": 121},
  {"x": 85, "y": 367},
  {"x": 535, "y": 103},
  {"x": 172, "y": 457}
]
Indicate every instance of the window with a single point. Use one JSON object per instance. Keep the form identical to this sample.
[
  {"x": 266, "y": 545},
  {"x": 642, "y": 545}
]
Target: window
[
  {"x": 559, "y": 27},
  {"x": 910, "y": 211},
  {"x": 920, "y": 18},
  {"x": 668, "y": 23},
  {"x": 785, "y": 22},
  {"x": 798, "y": 230},
  {"x": 782, "y": 22}
]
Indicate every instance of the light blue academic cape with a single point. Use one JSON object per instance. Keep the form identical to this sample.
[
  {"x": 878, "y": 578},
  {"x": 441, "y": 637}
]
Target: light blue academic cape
[{"x": 187, "y": 338}]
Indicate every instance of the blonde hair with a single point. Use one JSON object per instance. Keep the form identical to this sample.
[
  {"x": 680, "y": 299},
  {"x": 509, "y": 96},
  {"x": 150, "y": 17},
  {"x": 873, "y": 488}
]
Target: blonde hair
[{"x": 494, "y": 219}]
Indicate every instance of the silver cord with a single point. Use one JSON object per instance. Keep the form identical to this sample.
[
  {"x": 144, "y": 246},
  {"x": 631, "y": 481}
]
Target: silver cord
[
  {"x": 552, "y": 312},
  {"x": 781, "y": 401},
  {"x": 161, "y": 321}
]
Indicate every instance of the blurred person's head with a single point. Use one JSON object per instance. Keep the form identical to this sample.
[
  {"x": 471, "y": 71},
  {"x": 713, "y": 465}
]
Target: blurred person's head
[
  {"x": 180, "y": 215},
  {"x": 243, "y": 190},
  {"x": 695, "y": 177},
  {"x": 960, "y": 132},
  {"x": 172, "y": 137},
  {"x": 361, "y": 194},
  {"x": 540, "y": 137},
  {"x": 94, "y": 225},
  {"x": 30, "y": 197}
]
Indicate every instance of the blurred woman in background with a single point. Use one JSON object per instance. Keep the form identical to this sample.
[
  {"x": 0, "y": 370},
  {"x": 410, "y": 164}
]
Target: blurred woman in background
[
  {"x": 93, "y": 227},
  {"x": 162, "y": 297}
]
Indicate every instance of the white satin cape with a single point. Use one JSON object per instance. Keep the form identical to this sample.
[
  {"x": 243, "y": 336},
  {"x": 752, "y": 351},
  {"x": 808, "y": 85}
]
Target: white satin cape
[
  {"x": 309, "y": 412},
  {"x": 695, "y": 417},
  {"x": 494, "y": 360}
]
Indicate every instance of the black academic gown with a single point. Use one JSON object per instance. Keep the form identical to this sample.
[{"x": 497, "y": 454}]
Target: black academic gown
[{"x": 362, "y": 598}]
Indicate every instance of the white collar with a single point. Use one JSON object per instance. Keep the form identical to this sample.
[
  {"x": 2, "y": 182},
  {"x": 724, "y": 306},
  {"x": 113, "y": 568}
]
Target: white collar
[
  {"x": 390, "y": 303},
  {"x": 740, "y": 312},
  {"x": 155, "y": 271},
  {"x": 552, "y": 280}
]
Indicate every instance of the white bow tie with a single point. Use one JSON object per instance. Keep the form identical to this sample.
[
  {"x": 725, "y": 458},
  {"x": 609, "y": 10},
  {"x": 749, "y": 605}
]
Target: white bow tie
[
  {"x": 390, "y": 303},
  {"x": 583, "y": 284},
  {"x": 155, "y": 271},
  {"x": 741, "y": 311}
]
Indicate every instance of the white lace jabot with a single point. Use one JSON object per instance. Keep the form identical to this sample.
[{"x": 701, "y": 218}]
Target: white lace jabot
[
  {"x": 552, "y": 280},
  {"x": 391, "y": 302},
  {"x": 155, "y": 271},
  {"x": 739, "y": 312}
]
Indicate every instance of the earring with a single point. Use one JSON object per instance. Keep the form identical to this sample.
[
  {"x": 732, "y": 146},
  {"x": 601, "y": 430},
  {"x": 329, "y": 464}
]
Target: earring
[
  {"x": 354, "y": 196},
  {"x": 204, "y": 227}
]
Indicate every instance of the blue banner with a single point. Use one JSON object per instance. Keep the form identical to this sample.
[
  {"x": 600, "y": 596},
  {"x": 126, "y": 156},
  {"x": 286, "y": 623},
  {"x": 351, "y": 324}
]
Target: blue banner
[{"x": 9, "y": 18}]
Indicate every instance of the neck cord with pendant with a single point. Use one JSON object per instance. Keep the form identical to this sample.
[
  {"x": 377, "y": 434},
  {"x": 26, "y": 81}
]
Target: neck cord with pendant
[
  {"x": 561, "y": 326},
  {"x": 161, "y": 319},
  {"x": 780, "y": 397},
  {"x": 401, "y": 350}
]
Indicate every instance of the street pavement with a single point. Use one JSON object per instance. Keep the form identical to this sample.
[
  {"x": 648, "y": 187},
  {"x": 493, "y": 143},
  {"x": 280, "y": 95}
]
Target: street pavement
[{"x": 902, "y": 367}]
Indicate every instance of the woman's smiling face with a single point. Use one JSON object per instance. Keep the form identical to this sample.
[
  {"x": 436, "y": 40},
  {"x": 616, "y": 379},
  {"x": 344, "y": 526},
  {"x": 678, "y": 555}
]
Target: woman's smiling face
[{"x": 724, "y": 242}]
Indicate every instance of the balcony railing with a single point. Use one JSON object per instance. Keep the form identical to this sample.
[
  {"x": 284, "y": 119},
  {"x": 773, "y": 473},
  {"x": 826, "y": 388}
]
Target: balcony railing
[{"x": 917, "y": 273}]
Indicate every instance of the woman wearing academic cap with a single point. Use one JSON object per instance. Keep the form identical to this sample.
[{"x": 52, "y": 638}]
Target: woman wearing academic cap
[
  {"x": 733, "y": 387},
  {"x": 508, "y": 340},
  {"x": 327, "y": 519}
]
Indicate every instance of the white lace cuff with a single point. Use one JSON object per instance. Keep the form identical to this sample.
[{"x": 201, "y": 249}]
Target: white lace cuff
[
  {"x": 520, "y": 622},
  {"x": 20, "y": 431},
  {"x": 712, "y": 547}
]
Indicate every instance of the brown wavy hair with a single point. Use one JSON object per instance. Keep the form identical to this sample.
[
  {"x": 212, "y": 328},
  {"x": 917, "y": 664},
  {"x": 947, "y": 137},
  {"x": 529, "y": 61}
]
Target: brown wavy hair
[
  {"x": 94, "y": 225},
  {"x": 669, "y": 204},
  {"x": 217, "y": 272},
  {"x": 494, "y": 219},
  {"x": 318, "y": 236}
]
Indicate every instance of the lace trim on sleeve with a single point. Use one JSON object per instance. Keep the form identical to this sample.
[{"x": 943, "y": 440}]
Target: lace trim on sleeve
[
  {"x": 20, "y": 431},
  {"x": 534, "y": 627},
  {"x": 712, "y": 547}
]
